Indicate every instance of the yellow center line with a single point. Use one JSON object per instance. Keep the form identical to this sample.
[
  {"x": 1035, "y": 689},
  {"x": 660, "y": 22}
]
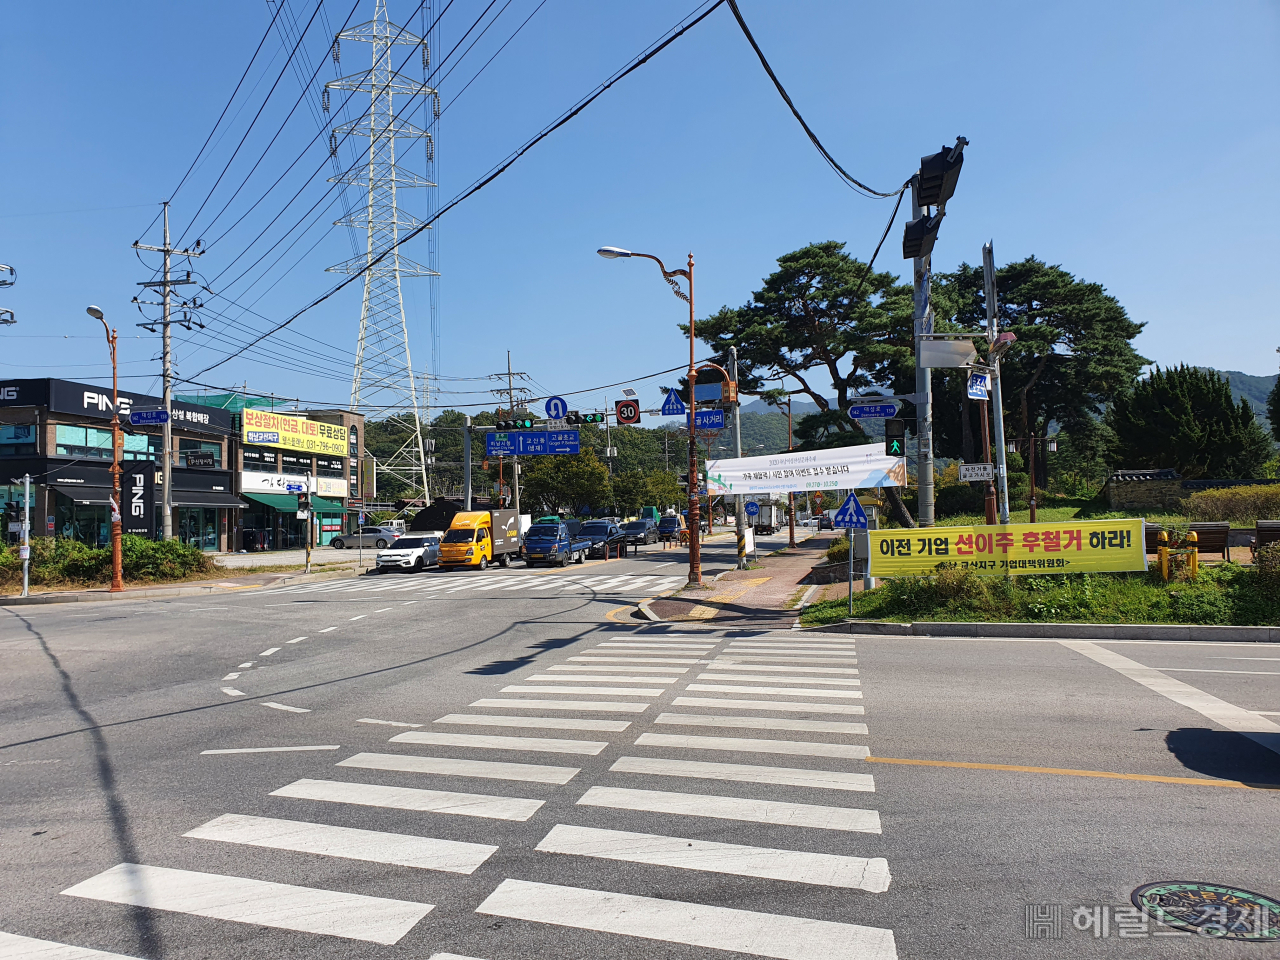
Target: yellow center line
[{"x": 1063, "y": 772}]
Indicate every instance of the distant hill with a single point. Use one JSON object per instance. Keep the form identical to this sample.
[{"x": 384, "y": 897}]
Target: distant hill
[{"x": 1254, "y": 389}]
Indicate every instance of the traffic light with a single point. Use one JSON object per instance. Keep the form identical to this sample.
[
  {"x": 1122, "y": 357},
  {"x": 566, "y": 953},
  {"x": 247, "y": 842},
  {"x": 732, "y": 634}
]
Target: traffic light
[
  {"x": 304, "y": 503},
  {"x": 523, "y": 423},
  {"x": 573, "y": 416},
  {"x": 895, "y": 438},
  {"x": 918, "y": 236},
  {"x": 938, "y": 175}
]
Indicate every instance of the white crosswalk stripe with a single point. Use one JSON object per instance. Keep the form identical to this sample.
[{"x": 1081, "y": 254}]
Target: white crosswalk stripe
[
  {"x": 584, "y": 706},
  {"x": 746, "y": 773},
  {"x": 424, "y": 853},
  {"x": 785, "y": 691},
  {"x": 607, "y": 691},
  {"x": 307, "y": 909},
  {"x": 776, "y": 679},
  {"x": 797, "y": 707},
  {"x": 855, "y": 873},
  {"x": 806, "y": 815},
  {"x": 729, "y": 664},
  {"x": 444, "y": 585},
  {"x": 694, "y": 924},
  {"x": 607, "y": 668},
  {"x": 411, "y": 798},
  {"x": 762, "y": 723},
  {"x": 801, "y": 748},
  {"x": 488, "y": 769},
  {"x": 534, "y": 744},
  {"x": 560, "y": 678},
  {"x": 14, "y": 947},
  {"x": 543, "y": 723}
]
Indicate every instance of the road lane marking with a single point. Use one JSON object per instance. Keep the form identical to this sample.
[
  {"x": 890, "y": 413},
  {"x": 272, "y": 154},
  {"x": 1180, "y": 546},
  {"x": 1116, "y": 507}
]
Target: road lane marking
[
  {"x": 231, "y": 676},
  {"x": 800, "y": 748},
  {"x": 803, "y": 815},
  {"x": 599, "y": 659},
  {"x": 1242, "y": 721},
  {"x": 352, "y": 916},
  {"x": 269, "y": 651},
  {"x": 762, "y": 723},
  {"x": 824, "y": 869},
  {"x": 361, "y": 617},
  {"x": 690, "y": 646},
  {"x": 781, "y": 691},
  {"x": 1252, "y": 673},
  {"x": 586, "y": 706},
  {"x": 745, "y": 678},
  {"x": 557, "y": 678},
  {"x": 536, "y": 744},
  {"x": 383, "y": 610},
  {"x": 390, "y": 723},
  {"x": 328, "y": 629},
  {"x": 800, "y": 707},
  {"x": 607, "y": 691},
  {"x": 607, "y": 668},
  {"x": 326, "y": 746},
  {"x": 284, "y": 706},
  {"x": 740, "y": 658},
  {"x": 14, "y": 947},
  {"x": 745, "y": 773},
  {"x": 232, "y": 692},
  {"x": 673, "y": 921},
  {"x": 403, "y": 850},
  {"x": 296, "y": 640},
  {"x": 488, "y": 769},
  {"x": 545, "y": 723},
  {"x": 724, "y": 663},
  {"x": 412, "y": 798},
  {"x": 1067, "y": 772},
  {"x": 245, "y": 666}
]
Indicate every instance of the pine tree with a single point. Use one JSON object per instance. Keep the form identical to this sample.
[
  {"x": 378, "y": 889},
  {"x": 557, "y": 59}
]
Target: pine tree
[{"x": 1184, "y": 418}]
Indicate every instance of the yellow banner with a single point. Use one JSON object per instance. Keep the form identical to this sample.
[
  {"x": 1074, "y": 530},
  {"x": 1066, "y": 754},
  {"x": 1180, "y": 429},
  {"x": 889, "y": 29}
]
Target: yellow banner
[
  {"x": 1073, "y": 546},
  {"x": 293, "y": 433}
]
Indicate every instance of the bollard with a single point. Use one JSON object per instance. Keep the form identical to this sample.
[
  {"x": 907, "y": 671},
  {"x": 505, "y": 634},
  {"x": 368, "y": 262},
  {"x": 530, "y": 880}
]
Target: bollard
[
  {"x": 1193, "y": 562},
  {"x": 1162, "y": 552},
  {"x": 742, "y": 550}
]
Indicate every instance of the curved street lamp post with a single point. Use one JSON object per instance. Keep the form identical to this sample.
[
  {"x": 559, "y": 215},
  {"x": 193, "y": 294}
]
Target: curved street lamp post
[
  {"x": 117, "y": 577},
  {"x": 695, "y": 521}
]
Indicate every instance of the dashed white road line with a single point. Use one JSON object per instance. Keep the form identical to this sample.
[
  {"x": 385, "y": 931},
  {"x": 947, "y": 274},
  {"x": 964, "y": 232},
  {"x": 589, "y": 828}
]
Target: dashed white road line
[
  {"x": 325, "y": 746},
  {"x": 246, "y": 666},
  {"x": 231, "y": 676},
  {"x": 328, "y": 629},
  {"x": 284, "y": 706},
  {"x": 361, "y": 617},
  {"x": 269, "y": 651},
  {"x": 383, "y": 610},
  {"x": 232, "y": 692},
  {"x": 296, "y": 640},
  {"x": 390, "y": 723}
]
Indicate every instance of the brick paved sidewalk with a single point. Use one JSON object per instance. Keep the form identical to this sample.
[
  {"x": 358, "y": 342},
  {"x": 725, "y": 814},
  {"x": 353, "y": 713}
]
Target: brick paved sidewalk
[{"x": 764, "y": 597}]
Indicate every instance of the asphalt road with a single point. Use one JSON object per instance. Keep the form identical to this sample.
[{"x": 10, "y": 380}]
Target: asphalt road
[{"x": 502, "y": 771}]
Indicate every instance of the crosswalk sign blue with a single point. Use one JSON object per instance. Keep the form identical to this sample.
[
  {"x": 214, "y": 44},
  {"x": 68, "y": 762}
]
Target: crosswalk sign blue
[
  {"x": 851, "y": 514},
  {"x": 673, "y": 406}
]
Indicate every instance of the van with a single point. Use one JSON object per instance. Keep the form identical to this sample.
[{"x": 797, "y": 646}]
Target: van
[{"x": 479, "y": 538}]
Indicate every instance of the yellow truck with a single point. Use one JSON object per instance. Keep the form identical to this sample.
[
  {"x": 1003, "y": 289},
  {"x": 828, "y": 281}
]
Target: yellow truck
[{"x": 480, "y": 537}]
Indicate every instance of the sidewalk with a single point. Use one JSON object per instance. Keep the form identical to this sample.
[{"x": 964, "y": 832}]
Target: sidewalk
[{"x": 762, "y": 597}]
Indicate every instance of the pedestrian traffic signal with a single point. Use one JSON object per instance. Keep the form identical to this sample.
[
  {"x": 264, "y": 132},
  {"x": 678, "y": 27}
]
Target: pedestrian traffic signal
[
  {"x": 918, "y": 236},
  {"x": 895, "y": 438},
  {"x": 938, "y": 175}
]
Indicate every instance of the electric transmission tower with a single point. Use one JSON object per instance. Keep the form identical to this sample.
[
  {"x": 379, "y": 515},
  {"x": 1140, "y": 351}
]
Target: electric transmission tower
[{"x": 383, "y": 385}]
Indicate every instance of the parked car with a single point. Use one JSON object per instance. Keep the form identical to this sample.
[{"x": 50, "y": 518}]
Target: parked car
[
  {"x": 825, "y": 523},
  {"x": 377, "y": 537},
  {"x": 640, "y": 531},
  {"x": 411, "y": 553},
  {"x": 552, "y": 544},
  {"x": 669, "y": 528},
  {"x": 606, "y": 538}
]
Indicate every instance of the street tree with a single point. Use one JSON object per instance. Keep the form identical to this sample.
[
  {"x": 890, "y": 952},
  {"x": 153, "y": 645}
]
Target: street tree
[
  {"x": 1273, "y": 409},
  {"x": 1185, "y": 418},
  {"x": 569, "y": 482}
]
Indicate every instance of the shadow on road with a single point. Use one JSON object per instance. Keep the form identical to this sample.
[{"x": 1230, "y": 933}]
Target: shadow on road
[
  {"x": 1225, "y": 755},
  {"x": 127, "y": 851}
]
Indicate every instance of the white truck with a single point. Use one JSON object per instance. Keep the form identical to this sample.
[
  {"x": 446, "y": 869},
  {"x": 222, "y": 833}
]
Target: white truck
[{"x": 771, "y": 518}]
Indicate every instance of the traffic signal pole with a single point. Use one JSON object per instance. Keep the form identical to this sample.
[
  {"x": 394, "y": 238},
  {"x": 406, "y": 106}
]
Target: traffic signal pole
[
  {"x": 695, "y": 520},
  {"x": 923, "y": 317},
  {"x": 738, "y": 519},
  {"x": 989, "y": 285}
]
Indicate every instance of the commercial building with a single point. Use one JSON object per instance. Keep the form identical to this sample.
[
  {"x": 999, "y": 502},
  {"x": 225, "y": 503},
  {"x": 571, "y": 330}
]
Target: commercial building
[{"x": 227, "y": 494}]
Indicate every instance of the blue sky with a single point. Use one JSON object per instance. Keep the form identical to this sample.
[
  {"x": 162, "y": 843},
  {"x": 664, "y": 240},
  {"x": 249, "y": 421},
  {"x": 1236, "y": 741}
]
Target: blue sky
[{"x": 1130, "y": 143}]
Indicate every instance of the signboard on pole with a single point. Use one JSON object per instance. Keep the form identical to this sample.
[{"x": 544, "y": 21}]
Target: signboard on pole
[
  {"x": 851, "y": 513},
  {"x": 1073, "y": 546},
  {"x": 978, "y": 386},
  {"x": 977, "y": 471},
  {"x": 556, "y": 408},
  {"x": 673, "y": 406},
  {"x": 138, "y": 493},
  {"x": 872, "y": 411},
  {"x": 628, "y": 411},
  {"x": 531, "y": 443},
  {"x": 708, "y": 419},
  {"x": 150, "y": 418},
  {"x": 838, "y": 468},
  {"x": 753, "y": 508}
]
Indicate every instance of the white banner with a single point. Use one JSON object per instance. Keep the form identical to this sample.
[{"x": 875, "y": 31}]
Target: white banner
[{"x": 840, "y": 468}]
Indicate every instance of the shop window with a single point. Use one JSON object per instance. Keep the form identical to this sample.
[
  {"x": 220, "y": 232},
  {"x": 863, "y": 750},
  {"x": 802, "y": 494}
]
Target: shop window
[
  {"x": 143, "y": 446},
  {"x": 17, "y": 439},
  {"x": 294, "y": 464},
  {"x": 199, "y": 446},
  {"x": 83, "y": 442},
  {"x": 257, "y": 460},
  {"x": 329, "y": 467}
]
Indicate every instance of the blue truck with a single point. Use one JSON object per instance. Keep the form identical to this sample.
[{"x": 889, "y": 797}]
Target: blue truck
[{"x": 552, "y": 544}]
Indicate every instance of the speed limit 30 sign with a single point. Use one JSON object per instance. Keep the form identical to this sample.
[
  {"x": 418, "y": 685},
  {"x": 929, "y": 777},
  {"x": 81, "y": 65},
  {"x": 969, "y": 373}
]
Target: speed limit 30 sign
[{"x": 628, "y": 411}]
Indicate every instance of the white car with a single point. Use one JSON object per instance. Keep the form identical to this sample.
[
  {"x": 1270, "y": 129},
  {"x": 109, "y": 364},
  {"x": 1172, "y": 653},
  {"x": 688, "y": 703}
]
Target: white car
[{"x": 412, "y": 553}]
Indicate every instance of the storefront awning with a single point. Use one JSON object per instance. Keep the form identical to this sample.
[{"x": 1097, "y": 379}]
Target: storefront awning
[
  {"x": 321, "y": 505},
  {"x": 208, "y": 498},
  {"x": 285, "y": 503},
  {"x": 83, "y": 494}
]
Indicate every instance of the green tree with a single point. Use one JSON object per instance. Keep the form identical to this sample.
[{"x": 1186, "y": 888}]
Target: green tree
[
  {"x": 1273, "y": 409},
  {"x": 664, "y": 491},
  {"x": 629, "y": 492},
  {"x": 554, "y": 483},
  {"x": 1185, "y": 418}
]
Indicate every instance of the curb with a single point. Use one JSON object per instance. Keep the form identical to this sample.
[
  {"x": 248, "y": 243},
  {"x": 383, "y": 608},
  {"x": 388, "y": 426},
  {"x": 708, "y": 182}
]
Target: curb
[
  {"x": 184, "y": 590},
  {"x": 1056, "y": 631}
]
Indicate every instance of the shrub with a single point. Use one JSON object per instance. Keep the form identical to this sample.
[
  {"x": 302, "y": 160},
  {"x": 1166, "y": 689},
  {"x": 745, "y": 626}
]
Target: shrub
[
  {"x": 58, "y": 561},
  {"x": 838, "y": 552},
  {"x": 1237, "y": 504},
  {"x": 1268, "y": 567}
]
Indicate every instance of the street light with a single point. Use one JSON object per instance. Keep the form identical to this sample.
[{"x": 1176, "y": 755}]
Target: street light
[
  {"x": 117, "y": 572},
  {"x": 695, "y": 520}
]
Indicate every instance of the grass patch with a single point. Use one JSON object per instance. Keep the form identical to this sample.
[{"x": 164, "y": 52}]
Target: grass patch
[{"x": 1223, "y": 594}]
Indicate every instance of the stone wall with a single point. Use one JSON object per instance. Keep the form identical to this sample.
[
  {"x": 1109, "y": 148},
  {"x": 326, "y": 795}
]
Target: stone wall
[{"x": 1145, "y": 494}]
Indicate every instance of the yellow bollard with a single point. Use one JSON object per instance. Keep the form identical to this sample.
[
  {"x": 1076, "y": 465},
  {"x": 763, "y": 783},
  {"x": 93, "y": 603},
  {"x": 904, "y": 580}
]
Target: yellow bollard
[
  {"x": 1162, "y": 552},
  {"x": 1193, "y": 562}
]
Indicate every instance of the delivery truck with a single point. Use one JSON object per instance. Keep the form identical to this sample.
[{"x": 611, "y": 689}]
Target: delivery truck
[{"x": 478, "y": 538}]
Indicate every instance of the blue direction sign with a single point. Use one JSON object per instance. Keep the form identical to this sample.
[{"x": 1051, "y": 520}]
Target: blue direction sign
[
  {"x": 148, "y": 417},
  {"x": 708, "y": 419},
  {"x": 753, "y": 508},
  {"x": 556, "y": 408},
  {"x": 977, "y": 386},
  {"x": 872, "y": 411},
  {"x": 531, "y": 443},
  {"x": 851, "y": 513},
  {"x": 673, "y": 406}
]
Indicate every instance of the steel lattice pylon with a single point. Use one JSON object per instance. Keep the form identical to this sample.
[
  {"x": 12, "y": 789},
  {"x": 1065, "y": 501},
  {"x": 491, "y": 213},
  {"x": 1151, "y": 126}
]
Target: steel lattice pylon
[{"x": 382, "y": 385}]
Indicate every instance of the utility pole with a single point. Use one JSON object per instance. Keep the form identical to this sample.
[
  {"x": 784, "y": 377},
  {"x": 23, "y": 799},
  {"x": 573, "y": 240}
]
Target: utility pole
[
  {"x": 515, "y": 461},
  {"x": 923, "y": 317},
  {"x": 466, "y": 464},
  {"x": 739, "y": 521},
  {"x": 25, "y": 550},
  {"x": 166, "y": 286},
  {"x": 993, "y": 335}
]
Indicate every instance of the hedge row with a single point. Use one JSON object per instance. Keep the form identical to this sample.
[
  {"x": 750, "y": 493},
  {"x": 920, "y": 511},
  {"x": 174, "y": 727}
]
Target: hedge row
[
  {"x": 1237, "y": 504},
  {"x": 57, "y": 562}
]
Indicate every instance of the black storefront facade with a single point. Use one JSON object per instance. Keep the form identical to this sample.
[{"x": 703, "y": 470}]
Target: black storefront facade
[{"x": 59, "y": 433}]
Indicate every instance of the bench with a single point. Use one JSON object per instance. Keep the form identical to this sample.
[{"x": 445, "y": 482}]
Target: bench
[
  {"x": 1212, "y": 538},
  {"x": 1153, "y": 531},
  {"x": 1265, "y": 532}
]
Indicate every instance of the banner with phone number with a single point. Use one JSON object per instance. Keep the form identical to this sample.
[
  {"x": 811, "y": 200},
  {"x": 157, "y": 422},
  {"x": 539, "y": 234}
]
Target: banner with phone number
[{"x": 1073, "y": 546}]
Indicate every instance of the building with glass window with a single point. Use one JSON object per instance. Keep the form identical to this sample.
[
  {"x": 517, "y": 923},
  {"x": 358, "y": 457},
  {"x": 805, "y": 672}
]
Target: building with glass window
[{"x": 59, "y": 433}]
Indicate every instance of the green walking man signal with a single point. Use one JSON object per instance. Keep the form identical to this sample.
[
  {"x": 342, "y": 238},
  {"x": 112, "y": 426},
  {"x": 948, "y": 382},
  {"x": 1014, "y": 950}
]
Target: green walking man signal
[{"x": 895, "y": 433}]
